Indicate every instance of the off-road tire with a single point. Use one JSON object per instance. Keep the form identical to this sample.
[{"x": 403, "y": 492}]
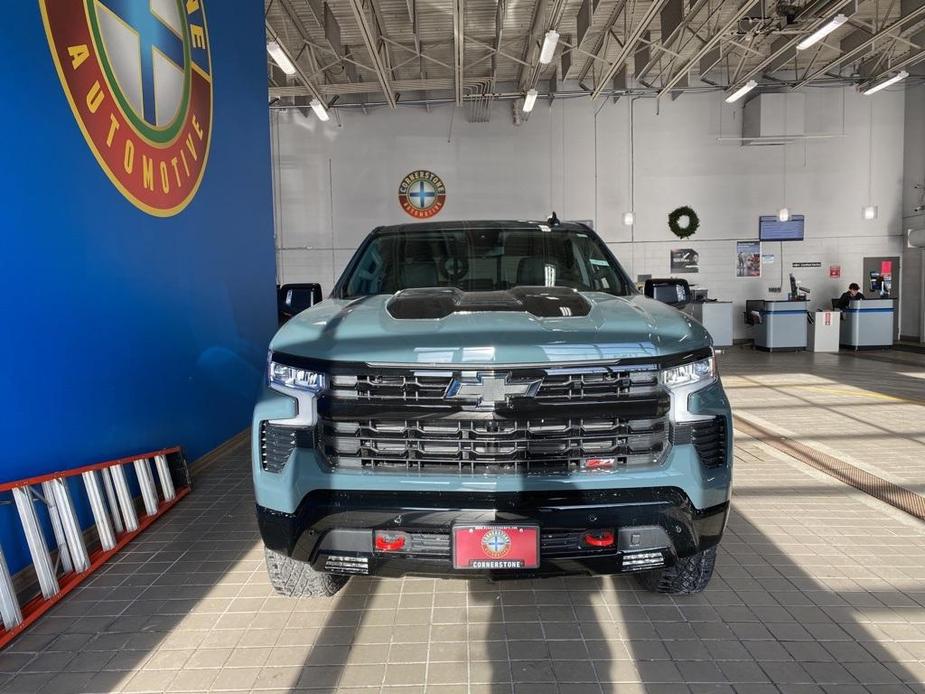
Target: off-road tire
[
  {"x": 297, "y": 579},
  {"x": 688, "y": 575}
]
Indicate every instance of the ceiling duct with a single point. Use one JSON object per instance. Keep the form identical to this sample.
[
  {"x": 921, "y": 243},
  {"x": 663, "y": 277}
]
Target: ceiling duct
[{"x": 773, "y": 118}]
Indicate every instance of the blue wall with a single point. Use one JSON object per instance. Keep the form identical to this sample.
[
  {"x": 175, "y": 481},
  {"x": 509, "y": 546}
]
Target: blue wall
[{"x": 124, "y": 332}]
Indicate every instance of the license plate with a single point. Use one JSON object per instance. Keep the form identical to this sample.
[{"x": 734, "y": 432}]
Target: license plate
[{"x": 496, "y": 547}]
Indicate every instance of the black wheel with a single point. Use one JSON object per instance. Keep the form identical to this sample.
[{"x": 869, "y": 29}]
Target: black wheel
[
  {"x": 296, "y": 579},
  {"x": 688, "y": 575}
]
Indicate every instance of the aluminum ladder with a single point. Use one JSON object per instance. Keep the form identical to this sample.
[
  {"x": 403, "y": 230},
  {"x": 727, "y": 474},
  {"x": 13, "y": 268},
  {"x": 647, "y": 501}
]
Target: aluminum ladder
[{"x": 162, "y": 478}]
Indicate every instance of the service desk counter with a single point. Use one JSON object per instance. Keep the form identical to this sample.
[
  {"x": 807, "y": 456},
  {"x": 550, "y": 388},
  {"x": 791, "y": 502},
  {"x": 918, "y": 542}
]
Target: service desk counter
[
  {"x": 716, "y": 317},
  {"x": 782, "y": 326},
  {"x": 868, "y": 324}
]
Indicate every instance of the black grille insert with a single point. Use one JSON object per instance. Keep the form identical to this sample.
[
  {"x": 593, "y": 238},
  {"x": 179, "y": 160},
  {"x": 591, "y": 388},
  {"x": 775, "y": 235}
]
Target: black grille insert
[
  {"x": 492, "y": 446},
  {"x": 429, "y": 387},
  {"x": 277, "y": 443},
  {"x": 708, "y": 437}
]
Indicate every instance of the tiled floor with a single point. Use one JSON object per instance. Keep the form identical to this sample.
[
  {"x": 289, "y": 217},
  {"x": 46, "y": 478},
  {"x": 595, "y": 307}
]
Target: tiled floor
[
  {"x": 818, "y": 588},
  {"x": 867, "y": 409}
]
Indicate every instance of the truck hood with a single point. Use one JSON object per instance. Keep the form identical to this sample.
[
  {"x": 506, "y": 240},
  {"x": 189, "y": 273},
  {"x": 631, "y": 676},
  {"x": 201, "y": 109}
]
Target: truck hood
[{"x": 363, "y": 330}]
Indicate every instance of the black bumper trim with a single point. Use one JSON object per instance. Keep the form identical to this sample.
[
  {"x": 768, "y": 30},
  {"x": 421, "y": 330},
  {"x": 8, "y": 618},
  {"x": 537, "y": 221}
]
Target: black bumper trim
[{"x": 300, "y": 535}]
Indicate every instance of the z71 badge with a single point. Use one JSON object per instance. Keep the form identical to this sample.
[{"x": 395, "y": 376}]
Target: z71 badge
[{"x": 138, "y": 77}]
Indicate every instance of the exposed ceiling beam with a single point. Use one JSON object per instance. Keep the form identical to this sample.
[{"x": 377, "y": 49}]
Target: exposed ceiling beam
[
  {"x": 782, "y": 50},
  {"x": 371, "y": 39},
  {"x": 531, "y": 51},
  {"x": 601, "y": 40},
  {"x": 499, "y": 26},
  {"x": 300, "y": 73},
  {"x": 713, "y": 12},
  {"x": 674, "y": 35},
  {"x": 553, "y": 19},
  {"x": 900, "y": 24},
  {"x": 350, "y": 88},
  {"x": 628, "y": 46},
  {"x": 416, "y": 30},
  {"x": 913, "y": 58},
  {"x": 459, "y": 49},
  {"x": 379, "y": 29},
  {"x": 720, "y": 34},
  {"x": 293, "y": 18}
]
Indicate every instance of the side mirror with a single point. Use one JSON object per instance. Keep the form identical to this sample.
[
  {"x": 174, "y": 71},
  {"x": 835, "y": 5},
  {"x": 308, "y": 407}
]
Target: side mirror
[
  {"x": 671, "y": 291},
  {"x": 292, "y": 299}
]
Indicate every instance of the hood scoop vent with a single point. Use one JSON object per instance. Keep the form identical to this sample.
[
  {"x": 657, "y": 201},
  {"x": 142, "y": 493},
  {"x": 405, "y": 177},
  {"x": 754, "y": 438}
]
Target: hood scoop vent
[{"x": 440, "y": 302}]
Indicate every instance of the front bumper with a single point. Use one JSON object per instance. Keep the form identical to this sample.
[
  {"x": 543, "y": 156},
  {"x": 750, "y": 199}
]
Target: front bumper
[{"x": 333, "y": 530}]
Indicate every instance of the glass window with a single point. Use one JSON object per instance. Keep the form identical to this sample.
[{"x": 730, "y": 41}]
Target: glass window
[{"x": 483, "y": 260}]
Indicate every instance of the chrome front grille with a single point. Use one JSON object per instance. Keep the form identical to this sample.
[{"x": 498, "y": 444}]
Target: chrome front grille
[{"x": 491, "y": 446}]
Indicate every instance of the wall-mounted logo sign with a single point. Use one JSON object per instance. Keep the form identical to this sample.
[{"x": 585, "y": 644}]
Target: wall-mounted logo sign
[
  {"x": 422, "y": 194},
  {"x": 138, "y": 76}
]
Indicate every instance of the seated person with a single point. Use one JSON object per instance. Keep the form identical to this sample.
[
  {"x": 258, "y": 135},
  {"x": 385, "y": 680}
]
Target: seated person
[{"x": 854, "y": 292}]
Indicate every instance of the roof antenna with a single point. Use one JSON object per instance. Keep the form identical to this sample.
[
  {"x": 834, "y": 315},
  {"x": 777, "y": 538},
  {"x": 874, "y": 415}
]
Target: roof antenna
[{"x": 553, "y": 221}]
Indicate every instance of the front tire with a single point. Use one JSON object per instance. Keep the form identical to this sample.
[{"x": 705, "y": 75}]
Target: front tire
[
  {"x": 689, "y": 575},
  {"x": 297, "y": 579}
]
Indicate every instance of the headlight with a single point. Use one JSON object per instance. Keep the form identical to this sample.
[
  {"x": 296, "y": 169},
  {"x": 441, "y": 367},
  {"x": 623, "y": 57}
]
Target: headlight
[
  {"x": 294, "y": 377},
  {"x": 687, "y": 374}
]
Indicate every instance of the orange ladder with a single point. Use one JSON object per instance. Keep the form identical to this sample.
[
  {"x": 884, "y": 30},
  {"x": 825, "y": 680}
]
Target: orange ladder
[{"x": 116, "y": 519}]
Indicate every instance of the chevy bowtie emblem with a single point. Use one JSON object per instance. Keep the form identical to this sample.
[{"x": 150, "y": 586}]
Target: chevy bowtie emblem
[{"x": 488, "y": 390}]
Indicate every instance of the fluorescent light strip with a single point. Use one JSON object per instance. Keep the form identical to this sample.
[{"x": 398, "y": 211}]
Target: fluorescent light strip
[
  {"x": 741, "y": 91},
  {"x": 530, "y": 100},
  {"x": 822, "y": 32},
  {"x": 319, "y": 110},
  {"x": 887, "y": 83},
  {"x": 280, "y": 58},
  {"x": 549, "y": 46}
]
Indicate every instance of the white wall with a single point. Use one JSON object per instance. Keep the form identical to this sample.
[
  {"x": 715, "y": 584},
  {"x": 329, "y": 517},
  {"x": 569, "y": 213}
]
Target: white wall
[
  {"x": 913, "y": 289},
  {"x": 335, "y": 183}
]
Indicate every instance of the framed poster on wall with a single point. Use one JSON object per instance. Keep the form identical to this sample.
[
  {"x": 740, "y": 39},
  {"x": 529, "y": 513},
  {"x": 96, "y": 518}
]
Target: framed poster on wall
[
  {"x": 748, "y": 259},
  {"x": 684, "y": 261}
]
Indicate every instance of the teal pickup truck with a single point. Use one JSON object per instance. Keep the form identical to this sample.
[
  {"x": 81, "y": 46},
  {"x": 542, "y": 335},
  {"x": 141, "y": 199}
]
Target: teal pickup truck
[{"x": 493, "y": 399}]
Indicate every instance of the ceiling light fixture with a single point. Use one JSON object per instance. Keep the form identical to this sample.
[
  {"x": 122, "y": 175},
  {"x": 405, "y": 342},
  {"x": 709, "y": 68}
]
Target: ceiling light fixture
[
  {"x": 549, "y": 46},
  {"x": 887, "y": 83},
  {"x": 783, "y": 214},
  {"x": 822, "y": 32},
  {"x": 870, "y": 212},
  {"x": 278, "y": 53},
  {"x": 741, "y": 91},
  {"x": 319, "y": 110},
  {"x": 530, "y": 100},
  {"x": 629, "y": 219}
]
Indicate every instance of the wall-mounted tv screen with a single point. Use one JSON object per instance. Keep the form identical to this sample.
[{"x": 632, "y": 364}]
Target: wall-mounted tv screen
[{"x": 770, "y": 228}]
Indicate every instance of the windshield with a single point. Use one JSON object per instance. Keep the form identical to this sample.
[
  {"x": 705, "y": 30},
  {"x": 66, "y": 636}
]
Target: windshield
[{"x": 479, "y": 260}]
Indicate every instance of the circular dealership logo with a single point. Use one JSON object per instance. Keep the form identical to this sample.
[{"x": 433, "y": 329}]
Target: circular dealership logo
[
  {"x": 422, "y": 194},
  {"x": 138, "y": 76},
  {"x": 496, "y": 543}
]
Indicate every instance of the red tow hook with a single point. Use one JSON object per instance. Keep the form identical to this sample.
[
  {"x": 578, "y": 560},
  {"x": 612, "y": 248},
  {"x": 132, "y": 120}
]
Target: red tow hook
[
  {"x": 390, "y": 541},
  {"x": 598, "y": 538}
]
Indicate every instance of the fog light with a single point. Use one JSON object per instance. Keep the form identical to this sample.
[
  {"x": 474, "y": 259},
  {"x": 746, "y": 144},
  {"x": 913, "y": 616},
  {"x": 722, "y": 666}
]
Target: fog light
[
  {"x": 598, "y": 538},
  {"x": 389, "y": 541},
  {"x": 643, "y": 560}
]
